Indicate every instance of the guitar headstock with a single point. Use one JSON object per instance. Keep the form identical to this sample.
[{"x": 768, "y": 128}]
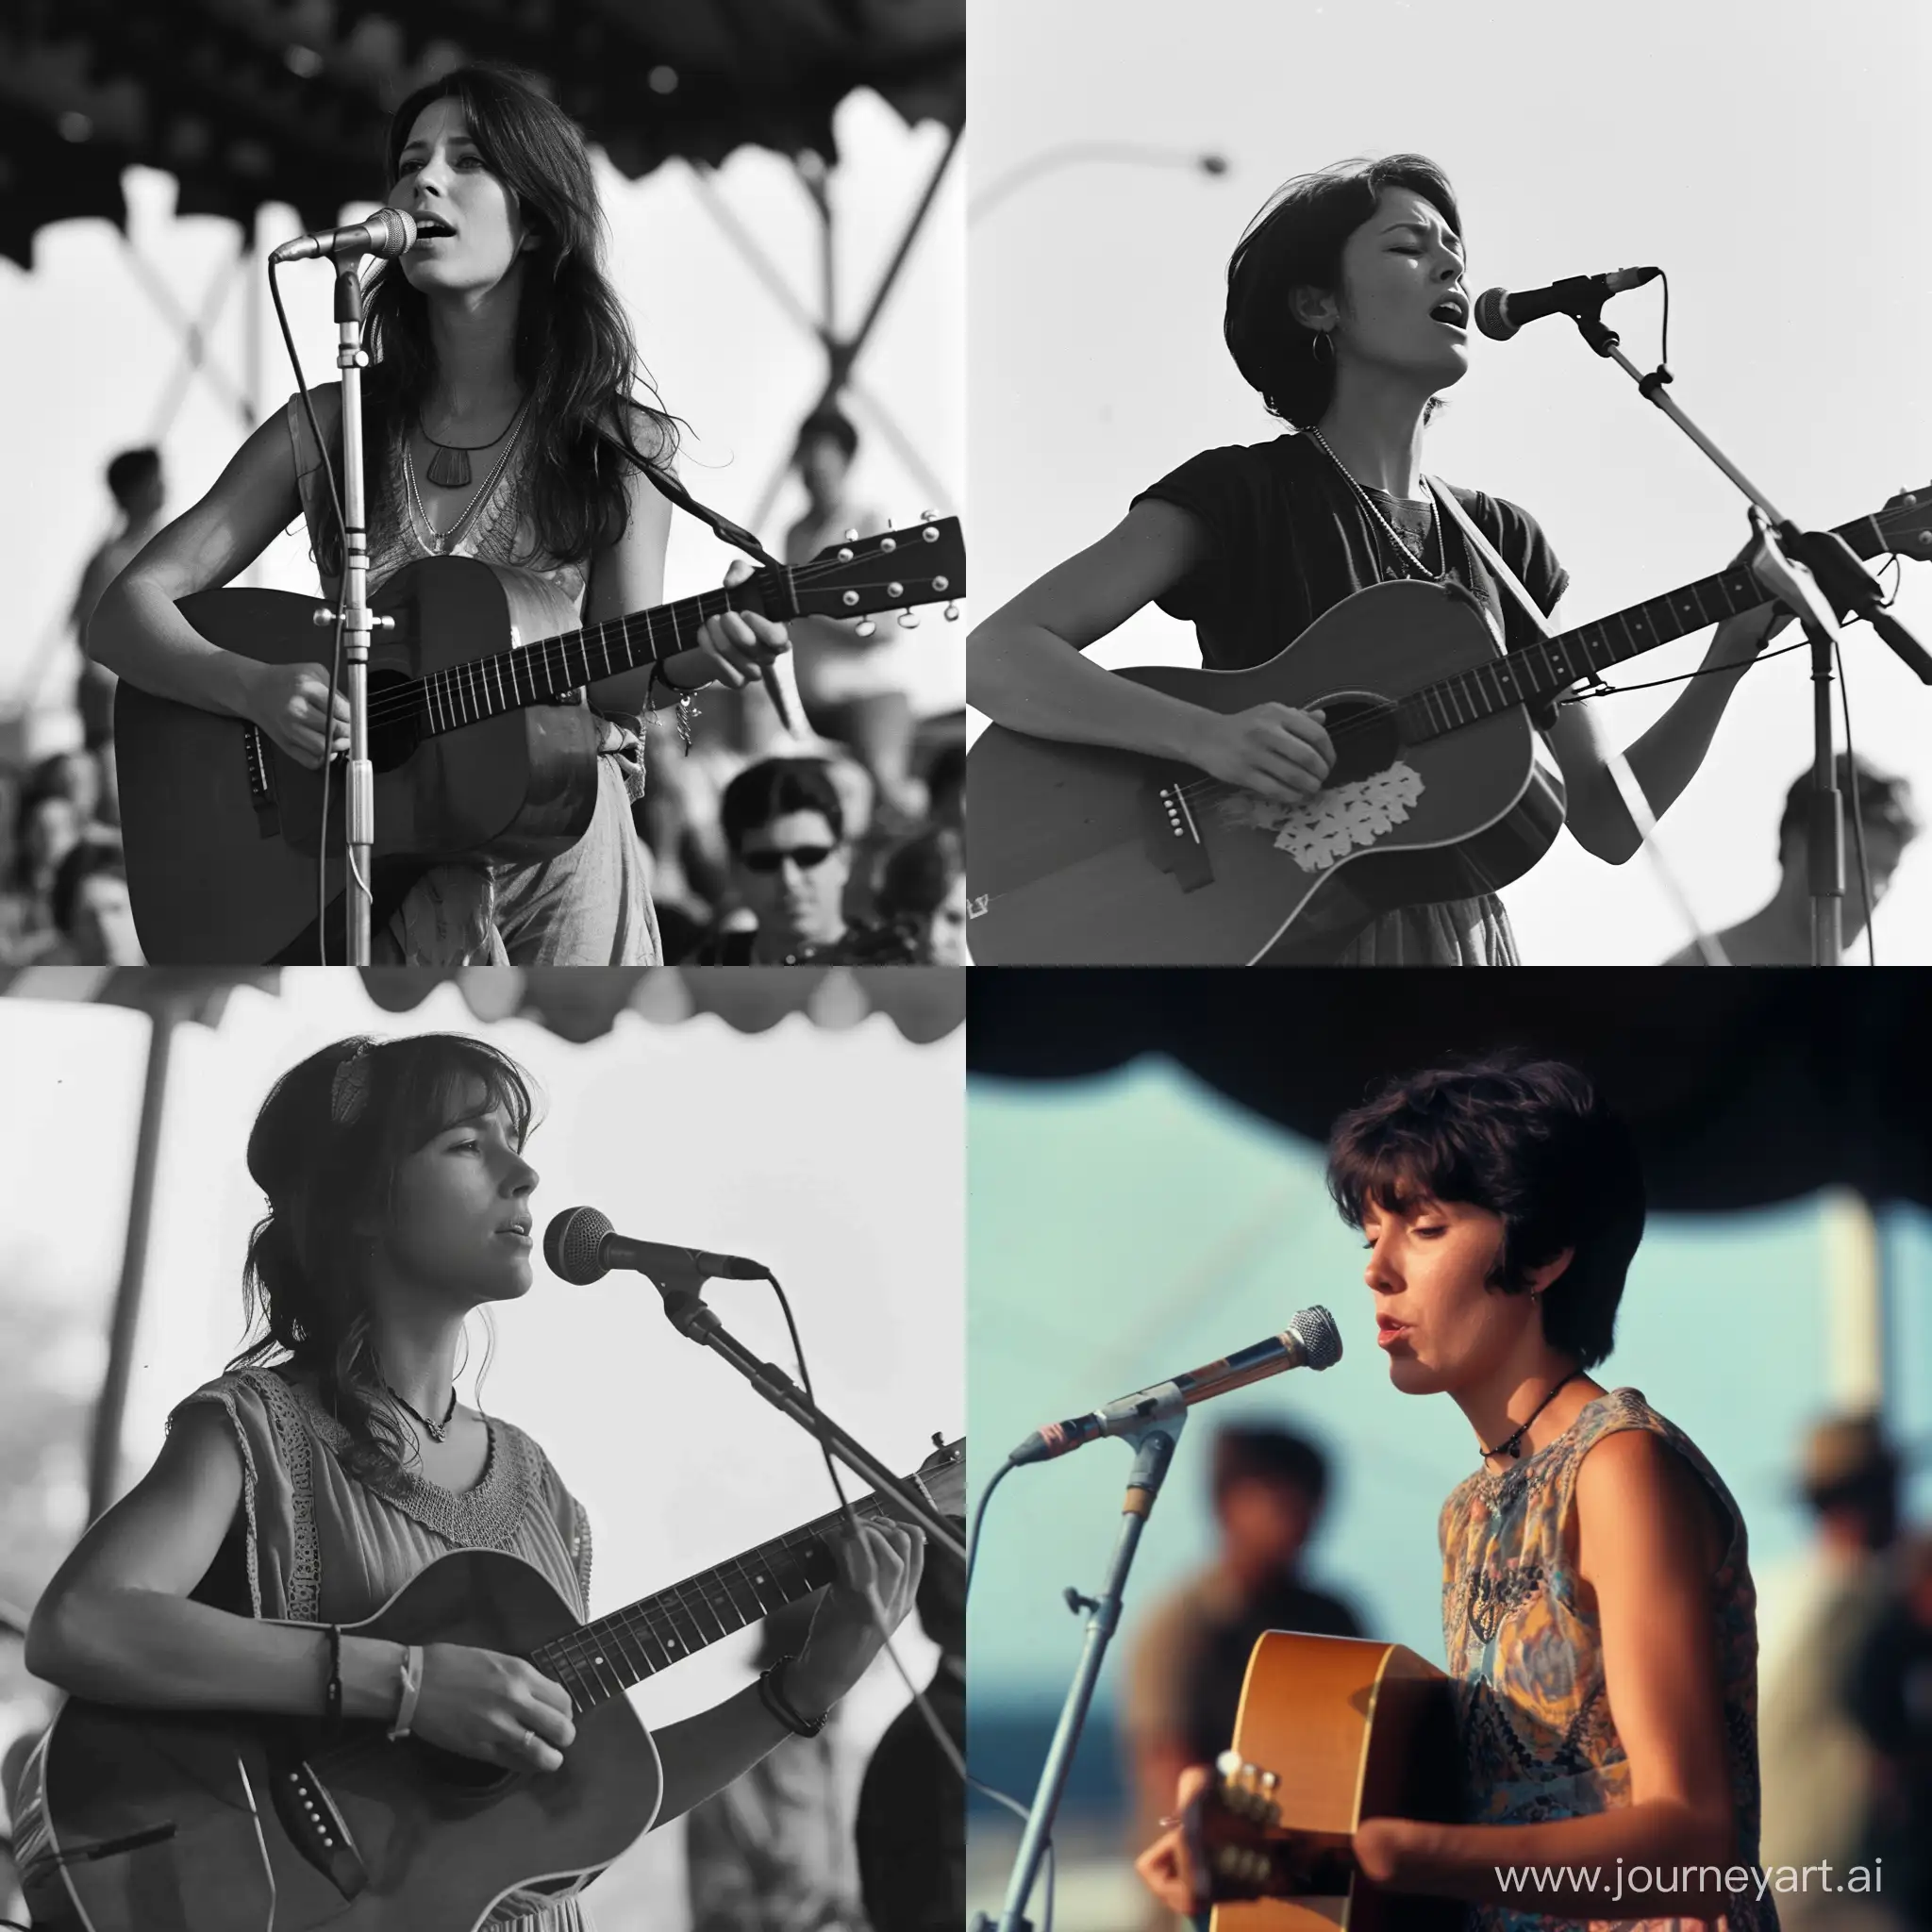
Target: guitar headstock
[
  {"x": 1239, "y": 1849},
  {"x": 923, "y": 564},
  {"x": 1906, "y": 523},
  {"x": 942, "y": 1476}
]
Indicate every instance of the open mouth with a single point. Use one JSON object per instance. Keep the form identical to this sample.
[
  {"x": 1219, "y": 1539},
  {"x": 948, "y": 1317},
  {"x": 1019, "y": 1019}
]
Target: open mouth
[{"x": 1453, "y": 309}]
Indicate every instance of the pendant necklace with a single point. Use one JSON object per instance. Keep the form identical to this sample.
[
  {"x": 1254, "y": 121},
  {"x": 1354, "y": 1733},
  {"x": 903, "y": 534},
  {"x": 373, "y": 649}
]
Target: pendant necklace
[
  {"x": 436, "y": 1430},
  {"x": 1511, "y": 1446},
  {"x": 449, "y": 468}
]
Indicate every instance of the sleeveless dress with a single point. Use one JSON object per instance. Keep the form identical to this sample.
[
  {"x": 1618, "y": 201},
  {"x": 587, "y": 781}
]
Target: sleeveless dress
[
  {"x": 590, "y": 906},
  {"x": 1538, "y": 1740},
  {"x": 314, "y": 1544}
]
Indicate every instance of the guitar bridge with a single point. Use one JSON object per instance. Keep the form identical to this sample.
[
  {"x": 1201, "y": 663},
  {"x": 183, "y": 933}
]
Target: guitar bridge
[
  {"x": 315, "y": 1826},
  {"x": 1170, "y": 833},
  {"x": 261, "y": 781}
]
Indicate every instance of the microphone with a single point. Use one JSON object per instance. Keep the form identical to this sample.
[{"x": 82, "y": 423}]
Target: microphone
[
  {"x": 1500, "y": 312},
  {"x": 580, "y": 1247},
  {"x": 1310, "y": 1341},
  {"x": 387, "y": 233}
]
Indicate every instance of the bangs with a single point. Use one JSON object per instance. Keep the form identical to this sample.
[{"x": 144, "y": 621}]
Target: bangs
[
  {"x": 441, "y": 1079},
  {"x": 1391, "y": 1171}
]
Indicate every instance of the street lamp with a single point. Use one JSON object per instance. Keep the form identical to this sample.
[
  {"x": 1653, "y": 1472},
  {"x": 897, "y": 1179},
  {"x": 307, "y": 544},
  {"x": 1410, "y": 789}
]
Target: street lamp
[{"x": 1130, "y": 153}]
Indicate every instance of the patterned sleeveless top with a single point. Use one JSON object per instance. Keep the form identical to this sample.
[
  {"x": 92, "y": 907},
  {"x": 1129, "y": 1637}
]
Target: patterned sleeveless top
[
  {"x": 1538, "y": 1740},
  {"x": 319, "y": 1545}
]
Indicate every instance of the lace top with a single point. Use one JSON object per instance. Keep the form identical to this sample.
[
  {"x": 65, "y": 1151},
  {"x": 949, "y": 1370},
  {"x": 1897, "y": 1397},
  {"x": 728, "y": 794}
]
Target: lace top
[
  {"x": 323, "y": 1546},
  {"x": 1538, "y": 1740}
]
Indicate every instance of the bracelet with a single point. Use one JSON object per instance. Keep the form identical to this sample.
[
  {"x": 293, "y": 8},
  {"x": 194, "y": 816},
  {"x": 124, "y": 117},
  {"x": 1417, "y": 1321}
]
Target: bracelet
[
  {"x": 772, "y": 1694},
  {"x": 332, "y": 1696},
  {"x": 412, "y": 1690}
]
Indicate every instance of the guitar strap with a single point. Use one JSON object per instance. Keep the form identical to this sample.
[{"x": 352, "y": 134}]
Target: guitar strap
[{"x": 720, "y": 527}]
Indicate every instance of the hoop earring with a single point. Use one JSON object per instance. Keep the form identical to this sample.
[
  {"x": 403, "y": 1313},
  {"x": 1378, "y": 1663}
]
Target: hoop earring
[{"x": 1315, "y": 356}]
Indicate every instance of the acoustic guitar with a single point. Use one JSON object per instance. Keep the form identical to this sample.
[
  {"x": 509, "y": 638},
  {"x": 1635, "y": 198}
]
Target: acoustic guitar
[
  {"x": 1331, "y": 1730},
  {"x": 1084, "y": 854},
  {"x": 140, "y": 1820},
  {"x": 477, "y": 755}
]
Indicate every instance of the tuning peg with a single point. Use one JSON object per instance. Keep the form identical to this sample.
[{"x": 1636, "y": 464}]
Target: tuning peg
[
  {"x": 865, "y": 628},
  {"x": 951, "y": 613},
  {"x": 852, "y": 535},
  {"x": 928, "y": 516},
  {"x": 908, "y": 622}
]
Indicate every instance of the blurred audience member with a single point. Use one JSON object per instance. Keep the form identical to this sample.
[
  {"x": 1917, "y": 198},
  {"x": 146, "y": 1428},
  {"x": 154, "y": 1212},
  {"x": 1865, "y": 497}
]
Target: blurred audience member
[
  {"x": 1779, "y": 932},
  {"x": 140, "y": 491},
  {"x": 1817, "y": 1762},
  {"x": 774, "y": 1851},
  {"x": 945, "y": 787},
  {"x": 91, "y": 908},
  {"x": 1183, "y": 1681},
  {"x": 1891, "y": 1699},
  {"x": 912, "y": 1829},
  {"x": 785, "y": 828},
  {"x": 853, "y": 688},
  {"x": 56, "y": 807},
  {"x": 923, "y": 890}
]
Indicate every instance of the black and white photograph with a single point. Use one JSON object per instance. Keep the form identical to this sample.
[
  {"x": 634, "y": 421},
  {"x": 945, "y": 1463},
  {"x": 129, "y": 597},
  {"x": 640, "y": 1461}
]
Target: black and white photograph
[
  {"x": 1371, "y": 404},
  {"x": 482, "y": 1449}
]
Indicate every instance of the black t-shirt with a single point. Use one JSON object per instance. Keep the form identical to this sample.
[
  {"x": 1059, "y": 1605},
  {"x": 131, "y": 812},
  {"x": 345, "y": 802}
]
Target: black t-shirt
[{"x": 1290, "y": 539}]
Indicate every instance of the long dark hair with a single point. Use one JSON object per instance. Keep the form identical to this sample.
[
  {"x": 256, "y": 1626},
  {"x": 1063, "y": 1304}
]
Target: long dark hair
[
  {"x": 1294, "y": 242},
  {"x": 575, "y": 356},
  {"x": 325, "y": 1149}
]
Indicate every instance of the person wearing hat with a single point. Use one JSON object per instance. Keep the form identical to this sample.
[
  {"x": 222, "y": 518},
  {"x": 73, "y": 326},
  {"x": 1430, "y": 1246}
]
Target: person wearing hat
[
  {"x": 332, "y": 1462},
  {"x": 1816, "y": 1759}
]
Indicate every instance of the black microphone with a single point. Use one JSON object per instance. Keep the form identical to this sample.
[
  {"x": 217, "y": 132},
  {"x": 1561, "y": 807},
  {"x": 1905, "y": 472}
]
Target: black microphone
[
  {"x": 387, "y": 233},
  {"x": 580, "y": 1247},
  {"x": 1310, "y": 1341},
  {"x": 1500, "y": 312}
]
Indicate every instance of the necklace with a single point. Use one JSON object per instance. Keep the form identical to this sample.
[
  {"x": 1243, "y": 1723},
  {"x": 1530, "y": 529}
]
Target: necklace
[
  {"x": 442, "y": 542},
  {"x": 1511, "y": 1446},
  {"x": 449, "y": 468},
  {"x": 436, "y": 1430},
  {"x": 1370, "y": 505}
]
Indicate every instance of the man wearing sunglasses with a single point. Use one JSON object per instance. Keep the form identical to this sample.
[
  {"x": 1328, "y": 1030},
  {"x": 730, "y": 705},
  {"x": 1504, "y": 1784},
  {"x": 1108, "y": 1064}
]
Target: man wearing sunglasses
[{"x": 790, "y": 862}]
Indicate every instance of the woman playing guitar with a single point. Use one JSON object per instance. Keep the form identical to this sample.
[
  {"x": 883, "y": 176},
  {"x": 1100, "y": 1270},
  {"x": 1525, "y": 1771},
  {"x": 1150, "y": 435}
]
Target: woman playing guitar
[
  {"x": 1347, "y": 309},
  {"x": 502, "y": 341},
  {"x": 1598, "y": 1611},
  {"x": 332, "y": 1462}
]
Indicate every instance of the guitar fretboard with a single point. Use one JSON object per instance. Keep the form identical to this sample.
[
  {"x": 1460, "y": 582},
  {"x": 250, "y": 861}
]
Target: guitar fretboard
[
  {"x": 609, "y": 1655},
  {"x": 1550, "y": 666},
  {"x": 542, "y": 672}
]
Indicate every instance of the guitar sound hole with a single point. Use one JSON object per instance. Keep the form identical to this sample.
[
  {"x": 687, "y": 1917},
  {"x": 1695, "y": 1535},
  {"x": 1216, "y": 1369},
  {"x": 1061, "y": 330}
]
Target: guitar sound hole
[
  {"x": 393, "y": 740},
  {"x": 1364, "y": 735}
]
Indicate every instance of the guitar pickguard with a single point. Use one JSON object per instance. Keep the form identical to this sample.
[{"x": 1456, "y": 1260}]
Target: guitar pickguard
[{"x": 1337, "y": 821}]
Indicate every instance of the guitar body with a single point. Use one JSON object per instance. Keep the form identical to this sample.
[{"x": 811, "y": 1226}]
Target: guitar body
[
  {"x": 221, "y": 828},
  {"x": 440, "y": 1838},
  {"x": 1353, "y": 1730},
  {"x": 1075, "y": 856}
]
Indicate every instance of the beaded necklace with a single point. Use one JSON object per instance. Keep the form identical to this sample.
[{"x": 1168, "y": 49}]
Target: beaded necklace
[{"x": 1368, "y": 503}]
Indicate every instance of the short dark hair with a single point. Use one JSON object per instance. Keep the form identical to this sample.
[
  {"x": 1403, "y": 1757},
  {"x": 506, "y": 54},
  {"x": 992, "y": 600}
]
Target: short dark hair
[
  {"x": 917, "y": 875},
  {"x": 773, "y": 787},
  {"x": 97, "y": 853},
  {"x": 1273, "y": 1456},
  {"x": 833, "y": 423},
  {"x": 1878, "y": 795},
  {"x": 1296, "y": 242},
  {"x": 1530, "y": 1141},
  {"x": 132, "y": 471}
]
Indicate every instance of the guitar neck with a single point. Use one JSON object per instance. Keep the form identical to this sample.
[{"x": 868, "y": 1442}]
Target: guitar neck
[
  {"x": 539, "y": 674},
  {"x": 609, "y": 1655},
  {"x": 1551, "y": 666}
]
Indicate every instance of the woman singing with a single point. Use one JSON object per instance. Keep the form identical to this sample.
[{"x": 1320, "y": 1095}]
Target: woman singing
[
  {"x": 500, "y": 424},
  {"x": 332, "y": 1462},
  {"x": 1597, "y": 1603},
  {"x": 1348, "y": 309}
]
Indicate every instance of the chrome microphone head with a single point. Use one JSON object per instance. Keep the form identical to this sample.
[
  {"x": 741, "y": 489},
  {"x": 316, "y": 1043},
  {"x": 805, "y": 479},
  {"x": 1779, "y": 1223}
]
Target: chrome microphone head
[
  {"x": 1315, "y": 1329},
  {"x": 574, "y": 1246}
]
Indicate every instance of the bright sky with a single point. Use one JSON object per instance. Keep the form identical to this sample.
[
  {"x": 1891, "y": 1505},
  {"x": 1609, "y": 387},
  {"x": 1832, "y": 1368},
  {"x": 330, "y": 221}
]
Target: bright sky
[
  {"x": 831, "y": 1155},
  {"x": 1126, "y": 1229},
  {"x": 96, "y": 364},
  {"x": 1765, "y": 153}
]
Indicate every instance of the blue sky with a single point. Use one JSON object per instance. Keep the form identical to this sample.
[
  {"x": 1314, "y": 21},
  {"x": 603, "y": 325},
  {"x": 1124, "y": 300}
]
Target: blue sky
[{"x": 1126, "y": 1228}]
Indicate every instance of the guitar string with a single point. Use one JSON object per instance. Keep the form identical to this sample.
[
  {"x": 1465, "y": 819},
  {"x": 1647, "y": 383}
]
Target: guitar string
[{"x": 397, "y": 706}]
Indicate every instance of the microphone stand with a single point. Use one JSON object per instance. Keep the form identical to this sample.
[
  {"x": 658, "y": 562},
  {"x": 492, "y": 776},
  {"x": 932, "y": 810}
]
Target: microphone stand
[
  {"x": 684, "y": 1306},
  {"x": 357, "y": 621},
  {"x": 1815, "y": 576},
  {"x": 1154, "y": 1446}
]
